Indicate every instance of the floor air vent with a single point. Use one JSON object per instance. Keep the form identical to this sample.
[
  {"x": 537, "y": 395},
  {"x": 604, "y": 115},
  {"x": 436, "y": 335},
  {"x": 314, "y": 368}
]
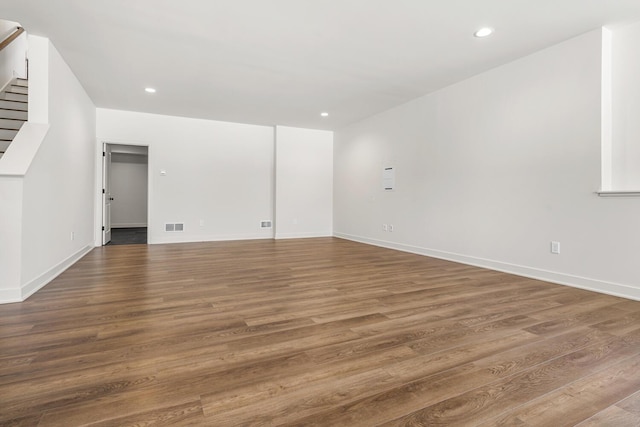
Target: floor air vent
[{"x": 179, "y": 226}]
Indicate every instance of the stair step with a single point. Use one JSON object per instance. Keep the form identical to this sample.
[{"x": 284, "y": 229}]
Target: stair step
[
  {"x": 22, "y": 82},
  {"x": 19, "y": 89},
  {"x": 13, "y": 105},
  {"x": 12, "y": 96},
  {"x": 11, "y": 123},
  {"x": 13, "y": 114},
  {"x": 8, "y": 134},
  {"x": 4, "y": 145}
]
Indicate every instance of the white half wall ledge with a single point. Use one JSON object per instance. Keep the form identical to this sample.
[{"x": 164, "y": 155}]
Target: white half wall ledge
[
  {"x": 20, "y": 154},
  {"x": 623, "y": 193},
  {"x": 603, "y": 287}
]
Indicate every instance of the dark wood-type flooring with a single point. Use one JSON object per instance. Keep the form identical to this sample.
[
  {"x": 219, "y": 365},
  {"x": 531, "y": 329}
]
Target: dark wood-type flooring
[
  {"x": 312, "y": 332},
  {"x": 128, "y": 236}
]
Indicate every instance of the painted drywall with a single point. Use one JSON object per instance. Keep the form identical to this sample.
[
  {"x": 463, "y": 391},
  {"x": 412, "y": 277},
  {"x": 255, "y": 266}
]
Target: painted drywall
[
  {"x": 10, "y": 238},
  {"x": 625, "y": 68},
  {"x": 47, "y": 181},
  {"x": 129, "y": 190},
  {"x": 39, "y": 80},
  {"x": 13, "y": 167},
  {"x": 13, "y": 57},
  {"x": 59, "y": 185},
  {"x": 491, "y": 170},
  {"x": 218, "y": 177},
  {"x": 304, "y": 183}
]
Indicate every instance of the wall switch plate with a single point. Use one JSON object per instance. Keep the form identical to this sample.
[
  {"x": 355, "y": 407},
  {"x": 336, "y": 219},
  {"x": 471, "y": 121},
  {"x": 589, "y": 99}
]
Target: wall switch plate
[
  {"x": 391, "y": 228},
  {"x": 384, "y": 227},
  {"x": 555, "y": 247}
]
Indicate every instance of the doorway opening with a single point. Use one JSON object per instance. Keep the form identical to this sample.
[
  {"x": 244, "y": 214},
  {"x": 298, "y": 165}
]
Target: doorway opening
[{"x": 125, "y": 190}]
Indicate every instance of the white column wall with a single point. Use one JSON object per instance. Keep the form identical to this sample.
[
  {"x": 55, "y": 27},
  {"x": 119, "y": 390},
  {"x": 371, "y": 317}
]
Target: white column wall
[{"x": 626, "y": 107}]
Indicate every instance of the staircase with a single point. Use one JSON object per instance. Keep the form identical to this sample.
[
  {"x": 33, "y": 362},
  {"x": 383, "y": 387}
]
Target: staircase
[{"x": 13, "y": 112}]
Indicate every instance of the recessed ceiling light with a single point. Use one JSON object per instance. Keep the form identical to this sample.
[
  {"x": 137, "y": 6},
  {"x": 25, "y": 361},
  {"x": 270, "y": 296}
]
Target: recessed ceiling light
[
  {"x": 324, "y": 114},
  {"x": 149, "y": 90},
  {"x": 483, "y": 32}
]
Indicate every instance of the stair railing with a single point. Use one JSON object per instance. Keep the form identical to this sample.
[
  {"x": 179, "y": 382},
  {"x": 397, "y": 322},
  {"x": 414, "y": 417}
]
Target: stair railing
[{"x": 6, "y": 42}]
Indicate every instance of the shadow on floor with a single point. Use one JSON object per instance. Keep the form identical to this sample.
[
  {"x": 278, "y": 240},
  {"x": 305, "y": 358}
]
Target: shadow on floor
[{"x": 128, "y": 236}]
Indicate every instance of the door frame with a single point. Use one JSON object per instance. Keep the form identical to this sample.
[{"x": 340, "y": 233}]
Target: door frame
[
  {"x": 99, "y": 200},
  {"x": 106, "y": 193}
]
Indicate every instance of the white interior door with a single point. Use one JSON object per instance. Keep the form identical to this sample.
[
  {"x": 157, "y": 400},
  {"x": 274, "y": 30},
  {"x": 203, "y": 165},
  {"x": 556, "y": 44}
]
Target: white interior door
[{"x": 106, "y": 194}]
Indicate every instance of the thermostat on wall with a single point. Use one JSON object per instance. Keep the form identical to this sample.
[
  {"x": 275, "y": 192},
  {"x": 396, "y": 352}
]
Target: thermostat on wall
[{"x": 389, "y": 179}]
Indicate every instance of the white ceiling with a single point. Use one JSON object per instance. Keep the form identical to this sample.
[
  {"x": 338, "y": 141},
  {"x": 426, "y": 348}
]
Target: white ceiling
[{"x": 284, "y": 61}]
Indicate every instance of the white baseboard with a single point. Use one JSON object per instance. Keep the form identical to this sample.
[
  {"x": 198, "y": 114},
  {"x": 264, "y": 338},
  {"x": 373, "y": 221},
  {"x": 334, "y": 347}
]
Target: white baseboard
[
  {"x": 177, "y": 237},
  {"x": 10, "y": 295},
  {"x": 302, "y": 235},
  {"x": 39, "y": 282},
  {"x": 595, "y": 285}
]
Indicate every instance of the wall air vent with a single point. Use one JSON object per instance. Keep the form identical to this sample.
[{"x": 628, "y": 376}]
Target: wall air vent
[
  {"x": 178, "y": 226},
  {"x": 265, "y": 224}
]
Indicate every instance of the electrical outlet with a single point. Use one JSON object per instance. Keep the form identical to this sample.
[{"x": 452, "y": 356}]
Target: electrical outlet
[
  {"x": 391, "y": 228},
  {"x": 555, "y": 247},
  {"x": 73, "y": 235},
  {"x": 384, "y": 227}
]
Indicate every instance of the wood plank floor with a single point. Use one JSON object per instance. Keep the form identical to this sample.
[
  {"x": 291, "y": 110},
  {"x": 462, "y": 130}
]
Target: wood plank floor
[{"x": 308, "y": 332}]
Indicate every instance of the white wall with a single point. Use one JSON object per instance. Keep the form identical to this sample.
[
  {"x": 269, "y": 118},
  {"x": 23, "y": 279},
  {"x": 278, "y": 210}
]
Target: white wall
[
  {"x": 39, "y": 80},
  {"x": 129, "y": 190},
  {"x": 491, "y": 170},
  {"x": 218, "y": 174},
  {"x": 47, "y": 181},
  {"x": 12, "y": 58},
  {"x": 626, "y": 107},
  {"x": 10, "y": 238},
  {"x": 14, "y": 165},
  {"x": 59, "y": 185},
  {"x": 304, "y": 183}
]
